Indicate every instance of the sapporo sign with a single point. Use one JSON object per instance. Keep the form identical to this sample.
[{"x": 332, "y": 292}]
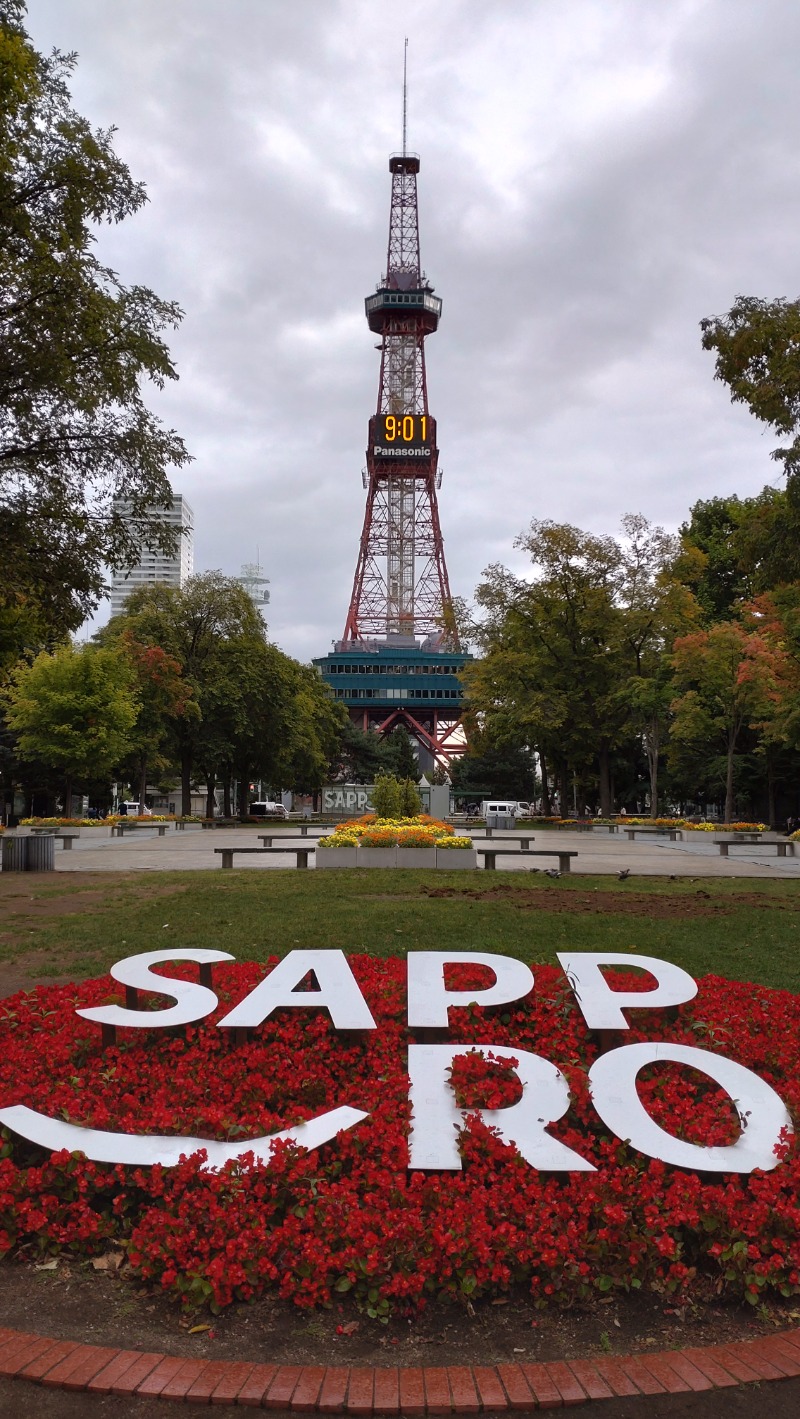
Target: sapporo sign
[{"x": 436, "y": 1118}]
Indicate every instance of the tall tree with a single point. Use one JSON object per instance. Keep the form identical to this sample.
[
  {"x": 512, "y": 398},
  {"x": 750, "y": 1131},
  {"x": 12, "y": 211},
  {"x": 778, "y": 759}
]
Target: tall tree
[
  {"x": 74, "y": 711},
  {"x": 758, "y": 357},
  {"x": 549, "y": 675},
  {"x": 75, "y": 348},
  {"x": 735, "y": 548},
  {"x": 654, "y": 607},
  {"x": 728, "y": 679},
  {"x": 196, "y": 625},
  {"x": 164, "y": 696}
]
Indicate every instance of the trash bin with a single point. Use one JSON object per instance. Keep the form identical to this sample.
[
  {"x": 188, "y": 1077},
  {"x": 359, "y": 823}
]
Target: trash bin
[
  {"x": 41, "y": 853},
  {"x": 15, "y": 853},
  {"x": 501, "y": 820}
]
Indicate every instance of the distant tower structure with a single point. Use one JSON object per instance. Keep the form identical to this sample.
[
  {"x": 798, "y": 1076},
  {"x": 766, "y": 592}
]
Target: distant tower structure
[
  {"x": 399, "y": 623},
  {"x": 401, "y": 585},
  {"x": 153, "y": 566},
  {"x": 254, "y": 583}
]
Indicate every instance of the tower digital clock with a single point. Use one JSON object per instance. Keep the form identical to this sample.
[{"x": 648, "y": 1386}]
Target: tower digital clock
[{"x": 392, "y": 432}]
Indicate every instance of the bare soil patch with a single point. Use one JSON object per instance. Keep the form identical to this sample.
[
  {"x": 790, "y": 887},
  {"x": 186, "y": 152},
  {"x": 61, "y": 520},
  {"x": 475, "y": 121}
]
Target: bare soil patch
[
  {"x": 74, "y": 1302},
  {"x": 598, "y": 902}
]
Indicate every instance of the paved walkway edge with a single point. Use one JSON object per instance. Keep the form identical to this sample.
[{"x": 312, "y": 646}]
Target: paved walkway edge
[{"x": 362, "y": 1389}]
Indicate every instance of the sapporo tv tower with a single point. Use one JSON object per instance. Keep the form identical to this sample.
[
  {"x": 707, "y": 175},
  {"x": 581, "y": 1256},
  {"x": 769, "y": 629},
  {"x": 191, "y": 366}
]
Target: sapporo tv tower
[{"x": 398, "y": 660}]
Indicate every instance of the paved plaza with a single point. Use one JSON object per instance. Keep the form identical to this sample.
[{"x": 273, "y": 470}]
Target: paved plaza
[{"x": 599, "y": 852}]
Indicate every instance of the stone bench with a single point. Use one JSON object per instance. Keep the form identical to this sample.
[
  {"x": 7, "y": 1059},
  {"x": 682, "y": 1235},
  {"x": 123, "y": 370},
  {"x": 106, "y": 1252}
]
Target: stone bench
[
  {"x": 674, "y": 834},
  {"x": 220, "y": 823},
  {"x": 522, "y": 839},
  {"x": 61, "y": 835},
  {"x": 269, "y": 838},
  {"x": 301, "y": 853},
  {"x": 490, "y": 854},
  {"x": 785, "y": 847},
  {"x": 119, "y": 828}
]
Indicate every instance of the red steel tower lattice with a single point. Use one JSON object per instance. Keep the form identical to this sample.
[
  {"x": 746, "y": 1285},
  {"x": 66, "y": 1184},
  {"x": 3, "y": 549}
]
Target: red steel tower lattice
[{"x": 401, "y": 586}]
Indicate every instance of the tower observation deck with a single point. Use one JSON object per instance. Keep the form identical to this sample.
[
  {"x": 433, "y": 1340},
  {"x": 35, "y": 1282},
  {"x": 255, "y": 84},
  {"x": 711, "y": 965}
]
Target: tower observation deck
[{"x": 399, "y": 625}]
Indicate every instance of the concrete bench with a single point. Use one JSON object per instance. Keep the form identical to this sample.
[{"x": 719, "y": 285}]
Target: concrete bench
[
  {"x": 785, "y": 846},
  {"x": 301, "y": 853},
  {"x": 522, "y": 839},
  {"x": 674, "y": 834},
  {"x": 220, "y": 823},
  {"x": 60, "y": 834},
  {"x": 269, "y": 838},
  {"x": 119, "y": 828},
  {"x": 490, "y": 855}
]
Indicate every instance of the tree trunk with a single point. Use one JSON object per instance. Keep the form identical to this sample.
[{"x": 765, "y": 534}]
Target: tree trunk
[
  {"x": 244, "y": 790},
  {"x": 142, "y": 783},
  {"x": 727, "y": 816},
  {"x": 604, "y": 764},
  {"x": 226, "y": 794},
  {"x": 652, "y": 745},
  {"x": 546, "y": 805},
  {"x": 186, "y": 782},
  {"x": 772, "y": 816},
  {"x": 653, "y": 783},
  {"x": 563, "y": 789},
  {"x": 68, "y": 798},
  {"x": 211, "y": 783}
]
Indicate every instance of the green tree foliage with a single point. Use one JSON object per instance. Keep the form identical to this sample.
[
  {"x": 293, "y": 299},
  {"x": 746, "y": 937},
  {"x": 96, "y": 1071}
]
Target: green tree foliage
[
  {"x": 387, "y": 797},
  {"x": 362, "y": 755},
  {"x": 735, "y": 548},
  {"x": 163, "y": 697},
  {"x": 758, "y": 357},
  {"x": 729, "y": 679},
  {"x": 247, "y": 711},
  {"x": 400, "y": 754},
  {"x": 75, "y": 348},
  {"x": 410, "y": 801},
  {"x": 567, "y": 653},
  {"x": 74, "y": 711},
  {"x": 208, "y": 626},
  {"x": 494, "y": 771}
]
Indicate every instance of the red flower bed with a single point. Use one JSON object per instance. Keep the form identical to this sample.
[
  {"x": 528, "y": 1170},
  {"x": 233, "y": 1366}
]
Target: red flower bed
[{"x": 349, "y": 1217}]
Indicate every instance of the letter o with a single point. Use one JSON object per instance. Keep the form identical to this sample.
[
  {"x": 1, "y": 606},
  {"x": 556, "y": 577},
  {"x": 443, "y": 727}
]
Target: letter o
[{"x": 762, "y": 1113}]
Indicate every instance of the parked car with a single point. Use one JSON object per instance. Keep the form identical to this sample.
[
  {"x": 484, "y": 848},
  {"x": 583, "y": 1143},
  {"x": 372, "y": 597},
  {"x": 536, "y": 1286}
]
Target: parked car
[
  {"x": 267, "y": 810},
  {"x": 132, "y": 810}
]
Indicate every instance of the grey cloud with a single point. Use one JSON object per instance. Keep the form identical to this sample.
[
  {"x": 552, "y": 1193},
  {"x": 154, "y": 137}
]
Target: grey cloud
[{"x": 597, "y": 175}]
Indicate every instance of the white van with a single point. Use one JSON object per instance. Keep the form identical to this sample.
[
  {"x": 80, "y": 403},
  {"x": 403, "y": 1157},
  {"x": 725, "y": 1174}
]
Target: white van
[
  {"x": 502, "y": 806},
  {"x": 267, "y": 810}
]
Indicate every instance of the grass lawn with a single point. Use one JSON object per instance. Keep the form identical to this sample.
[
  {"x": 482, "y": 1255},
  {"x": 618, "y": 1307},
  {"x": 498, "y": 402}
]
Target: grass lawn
[{"x": 78, "y": 925}]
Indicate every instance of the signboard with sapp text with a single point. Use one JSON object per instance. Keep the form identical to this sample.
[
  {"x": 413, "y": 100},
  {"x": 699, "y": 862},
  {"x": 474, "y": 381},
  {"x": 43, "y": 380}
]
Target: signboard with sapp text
[
  {"x": 394, "y": 1130},
  {"x": 435, "y": 1116}
]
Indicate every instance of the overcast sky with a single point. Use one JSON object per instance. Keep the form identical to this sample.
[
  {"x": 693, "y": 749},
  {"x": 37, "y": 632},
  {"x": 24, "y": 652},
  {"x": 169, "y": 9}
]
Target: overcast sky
[{"x": 597, "y": 176}]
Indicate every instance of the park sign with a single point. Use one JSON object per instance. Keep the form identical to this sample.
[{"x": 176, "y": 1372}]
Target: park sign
[
  {"x": 355, "y": 798},
  {"x": 436, "y": 1118}
]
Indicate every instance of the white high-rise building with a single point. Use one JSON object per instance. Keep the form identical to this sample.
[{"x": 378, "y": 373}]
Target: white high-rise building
[{"x": 154, "y": 566}]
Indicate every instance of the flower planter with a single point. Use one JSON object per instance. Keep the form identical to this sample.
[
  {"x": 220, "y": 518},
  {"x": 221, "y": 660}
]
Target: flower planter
[
  {"x": 416, "y": 857},
  {"x": 453, "y": 859},
  {"x": 377, "y": 857},
  {"x": 336, "y": 857}
]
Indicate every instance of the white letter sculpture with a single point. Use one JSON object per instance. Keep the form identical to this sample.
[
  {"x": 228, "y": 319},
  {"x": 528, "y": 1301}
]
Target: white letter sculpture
[
  {"x": 428, "y": 998},
  {"x": 601, "y": 1005},
  {"x": 338, "y": 994},
  {"x": 436, "y": 1118},
  {"x": 194, "y": 1001},
  {"x": 762, "y": 1114}
]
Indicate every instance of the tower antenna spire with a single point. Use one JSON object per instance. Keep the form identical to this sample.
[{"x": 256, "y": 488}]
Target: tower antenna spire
[{"x": 405, "y": 94}]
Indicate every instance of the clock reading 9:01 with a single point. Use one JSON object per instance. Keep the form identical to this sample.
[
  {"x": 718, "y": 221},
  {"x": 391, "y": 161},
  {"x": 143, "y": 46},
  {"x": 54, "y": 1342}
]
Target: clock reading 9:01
[{"x": 410, "y": 428}]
